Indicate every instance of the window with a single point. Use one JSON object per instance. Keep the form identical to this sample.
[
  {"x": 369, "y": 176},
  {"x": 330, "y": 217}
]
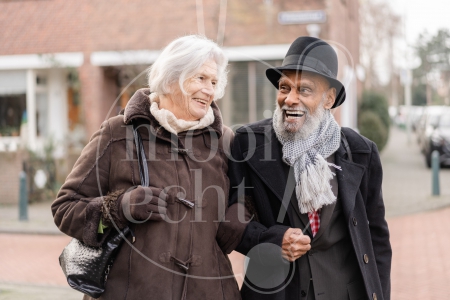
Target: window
[
  {"x": 239, "y": 93},
  {"x": 248, "y": 89},
  {"x": 12, "y": 111},
  {"x": 265, "y": 92}
]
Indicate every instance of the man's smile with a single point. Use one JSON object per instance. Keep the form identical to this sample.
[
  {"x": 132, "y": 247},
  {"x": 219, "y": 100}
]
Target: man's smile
[{"x": 291, "y": 114}]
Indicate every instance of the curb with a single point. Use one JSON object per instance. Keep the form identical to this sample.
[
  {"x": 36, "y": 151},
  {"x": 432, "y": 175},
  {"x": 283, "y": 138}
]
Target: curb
[{"x": 31, "y": 232}]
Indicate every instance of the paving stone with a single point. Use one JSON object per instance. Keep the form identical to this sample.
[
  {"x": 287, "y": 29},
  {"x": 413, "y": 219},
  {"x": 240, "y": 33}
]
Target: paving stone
[{"x": 37, "y": 292}]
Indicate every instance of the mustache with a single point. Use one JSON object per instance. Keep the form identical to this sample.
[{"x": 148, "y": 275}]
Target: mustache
[{"x": 295, "y": 108}]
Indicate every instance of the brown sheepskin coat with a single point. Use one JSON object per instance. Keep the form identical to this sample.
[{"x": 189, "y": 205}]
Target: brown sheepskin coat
[{"x": 195, "y": 167}]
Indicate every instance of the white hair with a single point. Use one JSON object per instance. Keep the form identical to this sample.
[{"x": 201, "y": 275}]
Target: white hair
[{"x": 181, "y": 59}]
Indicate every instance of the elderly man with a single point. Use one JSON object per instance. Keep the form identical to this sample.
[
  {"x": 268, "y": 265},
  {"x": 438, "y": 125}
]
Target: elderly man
[{"x": 314, "y": 189}]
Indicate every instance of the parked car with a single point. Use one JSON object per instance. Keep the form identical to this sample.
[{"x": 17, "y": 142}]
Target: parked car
[
  {"x": 438, "y": 139},
  {"x": 415, "y": 115},
  {"x": 403, "y": 114},
  {"x": 427, "y": 123}
]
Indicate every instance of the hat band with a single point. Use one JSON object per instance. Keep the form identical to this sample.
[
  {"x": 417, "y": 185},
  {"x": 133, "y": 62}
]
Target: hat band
[{"x": 307, "y": 61}]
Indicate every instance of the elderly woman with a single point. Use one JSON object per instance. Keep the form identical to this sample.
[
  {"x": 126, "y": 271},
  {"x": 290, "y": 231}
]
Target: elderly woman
[{"x": 176, "y": 219}]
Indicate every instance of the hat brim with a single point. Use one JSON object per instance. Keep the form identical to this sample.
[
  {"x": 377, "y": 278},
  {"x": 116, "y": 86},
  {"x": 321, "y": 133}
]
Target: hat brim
[{"x": 274, "y": 75}]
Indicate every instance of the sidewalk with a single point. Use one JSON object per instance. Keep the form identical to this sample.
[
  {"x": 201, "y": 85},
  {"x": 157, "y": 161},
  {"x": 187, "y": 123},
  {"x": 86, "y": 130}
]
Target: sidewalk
[
  {"x": 37, "y": 292},
  {"x": 407, "y": 181},
  {"x": 419, "y": 224},
  {"x": 40, "y": 220}
]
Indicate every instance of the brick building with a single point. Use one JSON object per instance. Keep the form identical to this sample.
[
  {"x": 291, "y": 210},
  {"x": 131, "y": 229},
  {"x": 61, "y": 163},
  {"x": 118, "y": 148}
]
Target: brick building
[{"x": 69, "y": 64}]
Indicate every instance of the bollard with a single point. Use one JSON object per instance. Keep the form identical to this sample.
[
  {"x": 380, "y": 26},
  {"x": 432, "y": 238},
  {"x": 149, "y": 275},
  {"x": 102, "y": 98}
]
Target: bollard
[
  {"x": 23, "y": 197},
  {"x": 435, "y": 164}
]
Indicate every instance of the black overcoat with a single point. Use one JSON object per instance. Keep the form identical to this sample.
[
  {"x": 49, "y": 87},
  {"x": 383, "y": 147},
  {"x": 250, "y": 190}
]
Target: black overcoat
[{"x": 257, "y": 178}]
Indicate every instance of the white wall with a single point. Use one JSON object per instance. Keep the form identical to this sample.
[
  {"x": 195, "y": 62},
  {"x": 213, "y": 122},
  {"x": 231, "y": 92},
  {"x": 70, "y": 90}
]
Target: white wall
[
  {"x": 349, "y": 107},
  {"x": 58, "y": 123}
]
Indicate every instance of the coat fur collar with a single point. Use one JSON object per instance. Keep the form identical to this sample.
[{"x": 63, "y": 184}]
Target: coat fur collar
[{"x": 139, "y": 107}]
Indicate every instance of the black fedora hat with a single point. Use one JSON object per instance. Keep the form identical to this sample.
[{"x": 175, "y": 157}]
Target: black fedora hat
[{"x": 313, "y": 55}]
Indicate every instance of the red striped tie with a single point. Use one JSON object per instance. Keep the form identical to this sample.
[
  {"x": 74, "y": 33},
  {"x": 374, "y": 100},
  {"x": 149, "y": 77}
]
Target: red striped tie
[{"x": 314, "y": 221}]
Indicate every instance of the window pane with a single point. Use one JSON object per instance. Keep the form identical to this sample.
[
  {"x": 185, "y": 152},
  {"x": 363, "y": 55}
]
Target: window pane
[
  {"x": 265, "y": 91},
  {"x": 12, "y": 107},
  {"x": 239, "y": 99},
  {"x": 236, "y": 110}
]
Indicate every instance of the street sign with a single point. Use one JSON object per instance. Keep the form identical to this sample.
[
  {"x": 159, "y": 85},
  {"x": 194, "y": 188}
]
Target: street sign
[{"x": 302, "y": 17}]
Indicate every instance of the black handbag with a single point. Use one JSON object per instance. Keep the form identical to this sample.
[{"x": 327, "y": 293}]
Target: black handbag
[{"x": 85, "y": 267}]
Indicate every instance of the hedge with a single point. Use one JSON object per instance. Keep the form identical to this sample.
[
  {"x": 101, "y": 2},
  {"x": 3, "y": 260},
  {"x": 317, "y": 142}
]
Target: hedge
[{"x": 372, "y": 127}]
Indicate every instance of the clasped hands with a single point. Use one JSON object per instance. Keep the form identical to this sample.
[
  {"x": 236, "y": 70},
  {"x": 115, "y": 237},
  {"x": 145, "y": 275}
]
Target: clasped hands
[{"x": 295, "y": 244}]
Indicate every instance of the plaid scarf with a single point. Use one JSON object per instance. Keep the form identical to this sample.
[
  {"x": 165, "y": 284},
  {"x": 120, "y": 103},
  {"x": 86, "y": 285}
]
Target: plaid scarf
[{"x": 308, "y": 157}]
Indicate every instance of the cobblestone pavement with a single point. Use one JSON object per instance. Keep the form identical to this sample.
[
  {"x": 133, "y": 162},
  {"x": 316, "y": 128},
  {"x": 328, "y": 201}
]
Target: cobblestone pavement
[
  {"x": 419, "y": 225},
  {"x": 420, "y": 265},
  {"x": 29, "y": 267}
]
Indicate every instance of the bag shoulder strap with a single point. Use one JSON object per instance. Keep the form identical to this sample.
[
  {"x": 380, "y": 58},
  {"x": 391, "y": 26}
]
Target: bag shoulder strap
[
  {"x": 142, "y": 159},
  {"x": 346, "y": 146}
]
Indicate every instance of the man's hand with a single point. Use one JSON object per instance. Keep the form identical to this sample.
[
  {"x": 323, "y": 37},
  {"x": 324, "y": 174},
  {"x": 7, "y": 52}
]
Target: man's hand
[{"x": 295, "y": 244}]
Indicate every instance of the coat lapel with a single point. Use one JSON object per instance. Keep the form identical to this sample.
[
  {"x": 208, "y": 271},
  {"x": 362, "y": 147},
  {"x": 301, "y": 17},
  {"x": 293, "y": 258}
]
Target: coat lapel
[
  {"x": 349, "y": 180},
  {"x": 327, "y": 211},
  {"x": 294, "y": 204},
  {"x": 325, "y": 217},
  {"x": 267, "y": 164}
]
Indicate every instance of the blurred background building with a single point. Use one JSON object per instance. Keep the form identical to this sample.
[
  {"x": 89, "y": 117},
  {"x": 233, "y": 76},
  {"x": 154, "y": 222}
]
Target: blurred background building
[{"x": 67, "y": 65}]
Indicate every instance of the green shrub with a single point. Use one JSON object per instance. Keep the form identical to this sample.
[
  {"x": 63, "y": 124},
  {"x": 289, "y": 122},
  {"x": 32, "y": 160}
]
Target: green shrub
[
  {"x": 372, "y": 127},
  {"x": 376, "y": 103},
  {"x": 373, "y": 118}
]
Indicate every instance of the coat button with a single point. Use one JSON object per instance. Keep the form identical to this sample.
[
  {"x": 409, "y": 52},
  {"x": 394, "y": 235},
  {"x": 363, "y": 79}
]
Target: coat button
[
  {"x": 374, "y": 296},
  {"x": 303, "y": 293},
  {"x": 366, "y": 258},
  {"x": 355, "y": 222}
]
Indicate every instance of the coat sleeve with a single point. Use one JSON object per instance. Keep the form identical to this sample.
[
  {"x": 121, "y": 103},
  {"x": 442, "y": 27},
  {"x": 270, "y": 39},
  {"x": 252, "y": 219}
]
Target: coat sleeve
[
  {"x": 231, "y": 229},
  {"x": 241, "y": 193},
  {"x": 377, "y": 223},
  {"x": 78, "y": 207}
]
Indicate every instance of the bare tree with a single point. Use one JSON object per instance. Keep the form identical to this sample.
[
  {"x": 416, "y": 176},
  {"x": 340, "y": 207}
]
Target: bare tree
[
  {"x": 379, "y": 28},
  {"x": 434, "y": 53}
]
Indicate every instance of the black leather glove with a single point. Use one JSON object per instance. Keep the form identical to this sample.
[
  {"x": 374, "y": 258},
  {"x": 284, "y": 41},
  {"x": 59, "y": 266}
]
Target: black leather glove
[{"x": 144, "y": 203}]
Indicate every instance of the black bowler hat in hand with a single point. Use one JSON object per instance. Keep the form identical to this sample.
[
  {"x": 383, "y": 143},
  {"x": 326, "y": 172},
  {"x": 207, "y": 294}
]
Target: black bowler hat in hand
[{"x": 313, "y": 55}]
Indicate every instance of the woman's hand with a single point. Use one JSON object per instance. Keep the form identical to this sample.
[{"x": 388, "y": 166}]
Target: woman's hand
[{"x": 144, "y": 203}]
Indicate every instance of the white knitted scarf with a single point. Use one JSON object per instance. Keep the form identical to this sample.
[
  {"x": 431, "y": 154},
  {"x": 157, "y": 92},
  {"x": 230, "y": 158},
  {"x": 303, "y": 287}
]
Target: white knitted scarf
[
  {"x": 172, "y": 124},
  {"x": 308, "y": 157}
]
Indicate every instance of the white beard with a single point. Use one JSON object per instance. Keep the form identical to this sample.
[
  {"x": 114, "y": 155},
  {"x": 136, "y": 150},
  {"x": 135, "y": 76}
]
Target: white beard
[{"x": 311, "y": 123}]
